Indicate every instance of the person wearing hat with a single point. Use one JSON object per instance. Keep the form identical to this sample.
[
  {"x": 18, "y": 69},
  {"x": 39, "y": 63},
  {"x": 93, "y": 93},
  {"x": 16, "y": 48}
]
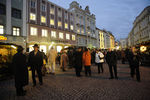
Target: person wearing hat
[
  {"x": 35, "y": 61},
  {"x": 20, "y": 71}
]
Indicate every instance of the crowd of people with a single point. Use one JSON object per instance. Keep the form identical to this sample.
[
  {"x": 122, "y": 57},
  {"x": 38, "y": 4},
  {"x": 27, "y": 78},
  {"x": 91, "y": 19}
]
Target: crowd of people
[{"x": 41, "y": 63}]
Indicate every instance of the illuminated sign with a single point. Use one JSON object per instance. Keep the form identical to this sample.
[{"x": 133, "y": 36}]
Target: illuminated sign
[
  {"x": 3, "y": 38},
  {"x": 143, "y": 48}
]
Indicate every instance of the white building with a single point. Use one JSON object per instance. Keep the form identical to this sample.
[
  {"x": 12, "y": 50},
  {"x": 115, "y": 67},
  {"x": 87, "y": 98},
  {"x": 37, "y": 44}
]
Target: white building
[
  {"x": 123, "y": 43},
  {"x": 84, "y": 26},
  {"x": 141, "y": 28}
]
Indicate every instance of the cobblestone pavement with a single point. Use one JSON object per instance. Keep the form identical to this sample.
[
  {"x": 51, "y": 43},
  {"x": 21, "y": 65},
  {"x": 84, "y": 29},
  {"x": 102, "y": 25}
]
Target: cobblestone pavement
[{"x": 66, "y": 86}]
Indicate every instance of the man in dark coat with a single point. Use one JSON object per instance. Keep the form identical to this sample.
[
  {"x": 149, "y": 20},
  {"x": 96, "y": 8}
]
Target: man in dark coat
[
  {"x": 78, "y": 62},
  {"x": 36, "y": 62},
  {"x": 111, "y": 59},
  {"x": 21, "y": 71},
  {"x": 134, "y": 67}
]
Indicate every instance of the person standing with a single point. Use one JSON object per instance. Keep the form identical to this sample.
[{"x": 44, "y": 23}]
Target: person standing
[
  {"x": 99, "y": 60},
  {"x": 78, "y": 62},
  {"x": 52, "y": 54},
  {"x": 87, "y": 62},
  {"x": 36, "y": 62},
  {"x": 64, "y": 60},
  {"x": 44, "y": 63},
  {"x": 21, "y": 72},
  {"x": 111, "y": 59},
  {"x": 135, "y": 66},
  {"x": 123, "y": 56}
]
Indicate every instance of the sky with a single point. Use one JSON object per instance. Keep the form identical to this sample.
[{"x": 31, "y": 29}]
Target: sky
[{"x": 116, "y": 16}]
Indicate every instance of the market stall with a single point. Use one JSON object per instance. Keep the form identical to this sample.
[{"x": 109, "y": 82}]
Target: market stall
[{"x": 6, "y": 54}]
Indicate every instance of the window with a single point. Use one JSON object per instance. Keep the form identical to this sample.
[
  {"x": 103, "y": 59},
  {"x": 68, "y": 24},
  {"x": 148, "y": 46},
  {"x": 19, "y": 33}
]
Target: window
[
  {"x": 43, "y": 19},
  {"x": 53, "y": 34},
  {"x": 61, "y": 35},
  {"x": 59, "y": 24},
  {"x": 32, "y": 16},
  {"x": 52, "y": 11},
  {"x": 33, "y": 31},
  {"x": 2, "y": 9},
  {"x": 16, "y": 31},
  {"x": 16, "y": 13},
  {"x": 52, "y": 21},
  {"x": 73, "y": 37},
  {"x": 44, "y": 33},
  {"x": 43, "y": 7},
  {"x": 1, "y": 29},
  {"x": 82, "y": 31},
  {"x": 33, "y": 3},
  {"x": 66, "y": 25},
  {"x": 71, "y": 27},
  {"x": 68, "y": 36},
  {"x": 78, "y": 30},
  {"x": 71, "y": 17},
  {"x": 66, "y": 15},
  {"x": 59, "y": 12}
]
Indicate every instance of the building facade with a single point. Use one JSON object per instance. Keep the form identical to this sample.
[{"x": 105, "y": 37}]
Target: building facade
[
  {"x": 84, "y": 26},
  {"x": 123, "y": 43},
  {"x": 101, "y": 41},
  {"x": 13, "y": 22},
  {"x": 106, "y": 39},
  {"x": 112, "y": 41},
  {"x": 141, "y": 28},
  {"x": 49, "y": 25}
]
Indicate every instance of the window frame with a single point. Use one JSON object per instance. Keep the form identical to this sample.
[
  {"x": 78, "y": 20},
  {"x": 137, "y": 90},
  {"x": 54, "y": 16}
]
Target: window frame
[
  {"x": 73, "y": 37},
  {"x": 2, "y": 9},
  {"x": 33, "y": 14},
  {"x": 16, "y": 13},
  {"x": 67, "y": 34},
  {"x": 45, "y": 34},
  {"x": 3, "y": 29},
  {"x": 42, "y": 19},
  {"x": 61, "y": 34},
  {"x": 18, "y": 29},
  {"x": 33, "y": 31},
  {"x": 53, "y": 34}
]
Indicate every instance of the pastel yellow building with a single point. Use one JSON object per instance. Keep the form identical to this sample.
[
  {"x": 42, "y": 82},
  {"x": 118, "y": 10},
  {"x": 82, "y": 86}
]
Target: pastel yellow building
[
  {"x": 101, "y": 37},
  {"x": 112, "y": 41}
]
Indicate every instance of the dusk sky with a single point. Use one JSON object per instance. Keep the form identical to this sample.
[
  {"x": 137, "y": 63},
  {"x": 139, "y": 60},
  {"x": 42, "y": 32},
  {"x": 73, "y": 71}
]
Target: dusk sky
[{"x": 116, "y": 16}]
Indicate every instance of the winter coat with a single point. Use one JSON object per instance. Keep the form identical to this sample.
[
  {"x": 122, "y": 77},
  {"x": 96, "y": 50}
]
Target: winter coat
[
  {"x": 86, "y": 58},
  {"x": 20, "y": 69},
  {"x": 35, "y": 61},
  {"x": 52, "y": 54},
  {"x": 111, "y": 58},
  {"x": 64, "y": 60},
  {"x": 78, "y": 59},
  {"x": 99, "y": 57}
]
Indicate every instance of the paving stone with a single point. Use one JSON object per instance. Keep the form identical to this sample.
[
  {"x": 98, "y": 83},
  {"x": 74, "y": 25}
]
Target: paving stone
[{"x": 66, "y": 86}]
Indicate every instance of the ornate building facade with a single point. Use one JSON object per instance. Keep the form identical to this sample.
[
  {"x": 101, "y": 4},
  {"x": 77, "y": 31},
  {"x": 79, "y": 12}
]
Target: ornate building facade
[{"x": 84, "y": 26}]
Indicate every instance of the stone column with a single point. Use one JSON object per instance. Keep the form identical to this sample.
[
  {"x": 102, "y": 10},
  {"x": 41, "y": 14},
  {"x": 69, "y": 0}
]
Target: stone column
[{"x": 8, "y": 17}]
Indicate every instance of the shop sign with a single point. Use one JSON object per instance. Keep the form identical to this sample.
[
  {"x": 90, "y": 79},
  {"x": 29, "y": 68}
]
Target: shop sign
[{"x": 3, "y": 38}]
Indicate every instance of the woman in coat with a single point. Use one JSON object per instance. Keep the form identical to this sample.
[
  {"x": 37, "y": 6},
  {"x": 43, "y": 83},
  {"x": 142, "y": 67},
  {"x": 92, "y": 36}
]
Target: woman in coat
[
  {"x": 87, "y": 62},
  {"x": 99, "y": 60},
  {"x": 21, "y": 71},
  {"x": 64, "y": 60}
]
